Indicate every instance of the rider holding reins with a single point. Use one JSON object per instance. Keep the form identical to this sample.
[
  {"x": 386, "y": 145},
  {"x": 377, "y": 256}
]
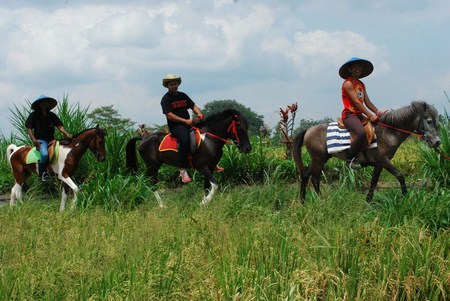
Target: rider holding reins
[
  {"x": 175, "y": 105},
  {"x": 357, "y": 104},
  {"x": 40, "y": 126}
]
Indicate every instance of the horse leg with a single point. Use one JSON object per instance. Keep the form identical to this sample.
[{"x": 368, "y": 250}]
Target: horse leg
[
  {"x": 304, "y": 178},
  {"x": 16, "y": 194},
  {"x": 67, "y": 183},
  {"x": 316, "y": 173},
  {"x": 373, "y": 182},
  {"x": 20, "y": 176},
  {"x": 209, "y": 185},
  {"x": 397, "y": 174},
  {"x": 152, "y": 173}
]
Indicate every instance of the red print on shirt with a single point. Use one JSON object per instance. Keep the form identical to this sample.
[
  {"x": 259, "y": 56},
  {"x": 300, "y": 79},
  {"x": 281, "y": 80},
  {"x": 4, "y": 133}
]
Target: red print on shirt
[{"x": 178, "y": 104}]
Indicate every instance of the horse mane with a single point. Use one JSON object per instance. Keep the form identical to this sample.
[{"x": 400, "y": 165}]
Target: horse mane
[
  {"x": 66, "y": 141},
  {"x": 217, "y": 117},
  {"x": 400, "y": 116}
]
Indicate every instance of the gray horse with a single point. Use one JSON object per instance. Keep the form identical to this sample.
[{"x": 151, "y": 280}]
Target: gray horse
[{"x": 392, "y": 130}]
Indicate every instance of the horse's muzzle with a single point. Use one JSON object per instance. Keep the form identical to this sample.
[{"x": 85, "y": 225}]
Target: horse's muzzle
[{"x": 433, "y": 142}]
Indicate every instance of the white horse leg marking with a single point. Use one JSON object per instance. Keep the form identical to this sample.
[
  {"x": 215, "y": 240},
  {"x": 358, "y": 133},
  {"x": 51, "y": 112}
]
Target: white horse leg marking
[
  {"x": 16, "y": 193},
  {"x": 158, "y": 198},
  {"x": 74, "y": 188},
  {"x": 207, "y": 199},
  {"x": 63, "y": 200}
]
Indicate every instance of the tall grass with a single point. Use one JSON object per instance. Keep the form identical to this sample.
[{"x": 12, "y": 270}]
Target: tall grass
[{"x": 241, "y": 247}]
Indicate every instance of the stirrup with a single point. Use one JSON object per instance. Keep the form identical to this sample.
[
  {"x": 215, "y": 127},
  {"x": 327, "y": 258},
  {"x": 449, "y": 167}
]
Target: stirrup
[
  {"x": 352, "y": 164},
  {"x": 45, "y": 177}
]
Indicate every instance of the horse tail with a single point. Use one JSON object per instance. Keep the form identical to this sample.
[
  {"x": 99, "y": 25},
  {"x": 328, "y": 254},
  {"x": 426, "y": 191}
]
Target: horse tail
[
  {"x": 9, "y": 150},
  {"x": 131, "y": 158},
  {"x": 297, "y": 150}
]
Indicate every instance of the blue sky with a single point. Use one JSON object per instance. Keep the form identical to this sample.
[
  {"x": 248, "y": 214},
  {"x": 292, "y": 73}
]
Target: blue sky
[{"x": 263, "y": 54}]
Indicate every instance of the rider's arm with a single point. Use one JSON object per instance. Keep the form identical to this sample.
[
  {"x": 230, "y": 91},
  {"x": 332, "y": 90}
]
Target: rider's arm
[
  {"x": 197, "y": 111},
  {"x": 33, "y": 139},
  {"x": 172, "y": 117},
  {"x": 63, "y": 130}
]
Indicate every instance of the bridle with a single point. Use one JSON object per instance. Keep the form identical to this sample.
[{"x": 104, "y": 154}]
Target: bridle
[
  {"x": 231, "y": 128},
  {"x": 95, "y": 135},
  {"x": 419, "y": 134}
]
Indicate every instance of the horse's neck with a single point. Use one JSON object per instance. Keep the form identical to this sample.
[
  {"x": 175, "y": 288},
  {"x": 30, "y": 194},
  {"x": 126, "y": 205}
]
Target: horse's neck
[
  {"x": 80, "y": 146},
  {"x": 216, "y": 131}
]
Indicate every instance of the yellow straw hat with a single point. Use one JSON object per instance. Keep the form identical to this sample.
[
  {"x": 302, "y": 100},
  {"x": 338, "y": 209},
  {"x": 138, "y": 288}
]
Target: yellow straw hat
[{"x": 171, "y": 78}]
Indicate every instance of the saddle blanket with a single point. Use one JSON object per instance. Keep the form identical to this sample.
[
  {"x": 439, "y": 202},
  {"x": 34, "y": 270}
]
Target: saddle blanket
[
  {"x": 339, "y": 139},
  {"x": 34, "y": 155},
  {"x": 169, "y": 143}
]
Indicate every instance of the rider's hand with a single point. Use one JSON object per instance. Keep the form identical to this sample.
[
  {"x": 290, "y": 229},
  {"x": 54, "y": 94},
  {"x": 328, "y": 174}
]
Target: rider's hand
[
  {"x": 37, "y": 144},
  {"x": 373, "y": 118},
  {"x": 188, "y": 122}
]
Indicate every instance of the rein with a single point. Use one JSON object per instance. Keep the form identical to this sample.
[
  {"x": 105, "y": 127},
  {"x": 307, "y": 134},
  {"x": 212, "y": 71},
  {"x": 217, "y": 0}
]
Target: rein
[
  {"x": 399, "y": 129},
  {"x": 232, "y": 127},
  {"x": 442, "y": 153}
]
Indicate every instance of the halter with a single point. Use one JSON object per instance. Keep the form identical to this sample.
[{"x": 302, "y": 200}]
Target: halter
[
  {"x": 419, "y": 135},
  {"x": 78, "y": 141}
]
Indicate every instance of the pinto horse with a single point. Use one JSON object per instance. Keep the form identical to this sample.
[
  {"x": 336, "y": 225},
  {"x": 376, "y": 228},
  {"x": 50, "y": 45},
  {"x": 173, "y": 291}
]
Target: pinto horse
[
  {"x": 214, "y": 131},
  {"x": 391, "y": 131},
  {"x": 64, "y": 163}
]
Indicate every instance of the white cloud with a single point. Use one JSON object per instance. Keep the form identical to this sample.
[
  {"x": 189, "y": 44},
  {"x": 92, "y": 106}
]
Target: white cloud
[
  {"x": 265, "y": 55},
  {"x": 313, "y": 51}
]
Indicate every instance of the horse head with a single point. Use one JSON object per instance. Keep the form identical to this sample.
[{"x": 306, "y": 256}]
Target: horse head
[
  {"x": 238, "y": 132},
  {"x": 228, "y": 124},
  {"x": 97, "y": 143},
  {"x": 427, "y": 123}
]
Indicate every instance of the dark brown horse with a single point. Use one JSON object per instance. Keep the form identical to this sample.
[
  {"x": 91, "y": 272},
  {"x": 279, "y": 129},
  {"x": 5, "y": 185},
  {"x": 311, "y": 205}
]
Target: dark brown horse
[
  {"x": 215, "y": 131},
  {"x": 392, "y": 130},
  {"x": 64, "y": 164}
]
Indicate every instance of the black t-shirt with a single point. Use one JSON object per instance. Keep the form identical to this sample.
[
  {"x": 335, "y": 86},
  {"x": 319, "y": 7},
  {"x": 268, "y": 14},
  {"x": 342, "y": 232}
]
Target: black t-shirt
[
  {"x": 178, "y": 104},
  {"x": 43, "y": 126}
]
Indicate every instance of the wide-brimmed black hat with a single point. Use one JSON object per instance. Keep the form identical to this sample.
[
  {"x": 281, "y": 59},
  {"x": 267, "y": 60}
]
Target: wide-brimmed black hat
[
  {"x": 52, "y": 102},
  {"x": 367, "y": 68}
]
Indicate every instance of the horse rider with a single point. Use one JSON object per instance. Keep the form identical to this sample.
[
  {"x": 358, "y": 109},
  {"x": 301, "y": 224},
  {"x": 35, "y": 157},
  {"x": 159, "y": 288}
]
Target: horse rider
[
  {"x": 357, "y": 104},
  {"x": 40, "y": 126},
  {"x": 175, "y": 105}
]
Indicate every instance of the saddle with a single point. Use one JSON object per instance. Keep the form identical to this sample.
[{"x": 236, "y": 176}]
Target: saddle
[
  {"x": 170, "y": 143},
  {"x": 34, "y": 155},
  {"x": 368, "y": 128}
]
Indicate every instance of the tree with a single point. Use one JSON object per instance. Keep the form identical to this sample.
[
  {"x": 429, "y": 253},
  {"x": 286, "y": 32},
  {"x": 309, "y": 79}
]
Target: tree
[
  {"x": 108, "y": 117},
  {"x": 256, "y": 121},
  {"x": 307, "y": 123}
]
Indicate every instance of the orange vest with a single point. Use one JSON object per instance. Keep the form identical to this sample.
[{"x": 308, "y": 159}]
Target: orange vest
[{"x": 360, "y": 90}]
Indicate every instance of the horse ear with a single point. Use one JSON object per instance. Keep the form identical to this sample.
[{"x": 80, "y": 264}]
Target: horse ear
[
  {"x": 425, "y": 106},
  {"x": 97, "y": 126}
]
